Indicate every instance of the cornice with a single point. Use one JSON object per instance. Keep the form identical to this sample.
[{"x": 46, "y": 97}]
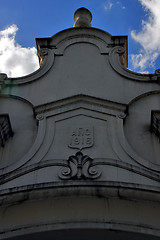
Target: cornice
[
  {"x": 103, "y": 40},
  {"x": 115, "y": 63},
  {"x": 96, "y": 166},
  {"x": 89, "y": 188},
  {"x": 48, "y": 60},
  {"x": 97, "y": 103}
]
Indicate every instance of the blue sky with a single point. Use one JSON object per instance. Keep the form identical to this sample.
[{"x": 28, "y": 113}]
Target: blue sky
[{"x": 24, "y": 20}]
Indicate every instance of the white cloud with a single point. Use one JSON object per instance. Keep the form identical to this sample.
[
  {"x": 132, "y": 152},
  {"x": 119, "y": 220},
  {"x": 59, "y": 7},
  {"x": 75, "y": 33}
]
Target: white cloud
[
  {"x": 148, "y": 37},
  {"x": 16, "y": 60},
  {"x": 108, "y": 5},
  {"x": 122, "y": 6}
]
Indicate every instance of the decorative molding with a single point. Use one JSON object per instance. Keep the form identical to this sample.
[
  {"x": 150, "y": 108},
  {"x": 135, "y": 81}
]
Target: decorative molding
[
  {"x": 143, "y": 95},
  {"x": 131, "y": 153},
  {"x": 32, "y": 151},
  {"x": 97, "y": 42},
  {"x": 114, "y": 59},
  {"x": 43, "y": 116},
  {"x": 48, "y": 59},
  {"x": 73, "y": 34},
  {"x": 63, "y": 164},
  {"x": 79, "y": 167},
  {"x": 43, "y": 52},
  {"x": 102, "y": 39},
  {"x": 98, "y": 104}
]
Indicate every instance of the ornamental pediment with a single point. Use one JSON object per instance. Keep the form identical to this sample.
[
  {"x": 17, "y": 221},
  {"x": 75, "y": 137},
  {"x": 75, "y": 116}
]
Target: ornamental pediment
[{"x": 81, "y": 132}]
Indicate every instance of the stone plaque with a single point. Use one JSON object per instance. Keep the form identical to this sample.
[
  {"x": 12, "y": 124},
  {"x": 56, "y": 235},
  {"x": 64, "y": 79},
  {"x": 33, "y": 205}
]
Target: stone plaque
[{"x": 81, "y": 137}]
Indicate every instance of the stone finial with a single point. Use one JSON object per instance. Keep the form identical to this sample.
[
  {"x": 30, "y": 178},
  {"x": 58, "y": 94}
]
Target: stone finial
[{"x": 82, "y": 17}]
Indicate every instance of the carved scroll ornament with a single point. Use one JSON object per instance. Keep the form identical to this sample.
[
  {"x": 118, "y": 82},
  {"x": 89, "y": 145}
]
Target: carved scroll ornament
[{"x": 79, "y": 167}]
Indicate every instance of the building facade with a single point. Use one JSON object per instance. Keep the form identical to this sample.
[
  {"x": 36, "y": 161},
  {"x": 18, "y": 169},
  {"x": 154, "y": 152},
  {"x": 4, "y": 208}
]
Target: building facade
[{"x": 80, "y": 142}]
